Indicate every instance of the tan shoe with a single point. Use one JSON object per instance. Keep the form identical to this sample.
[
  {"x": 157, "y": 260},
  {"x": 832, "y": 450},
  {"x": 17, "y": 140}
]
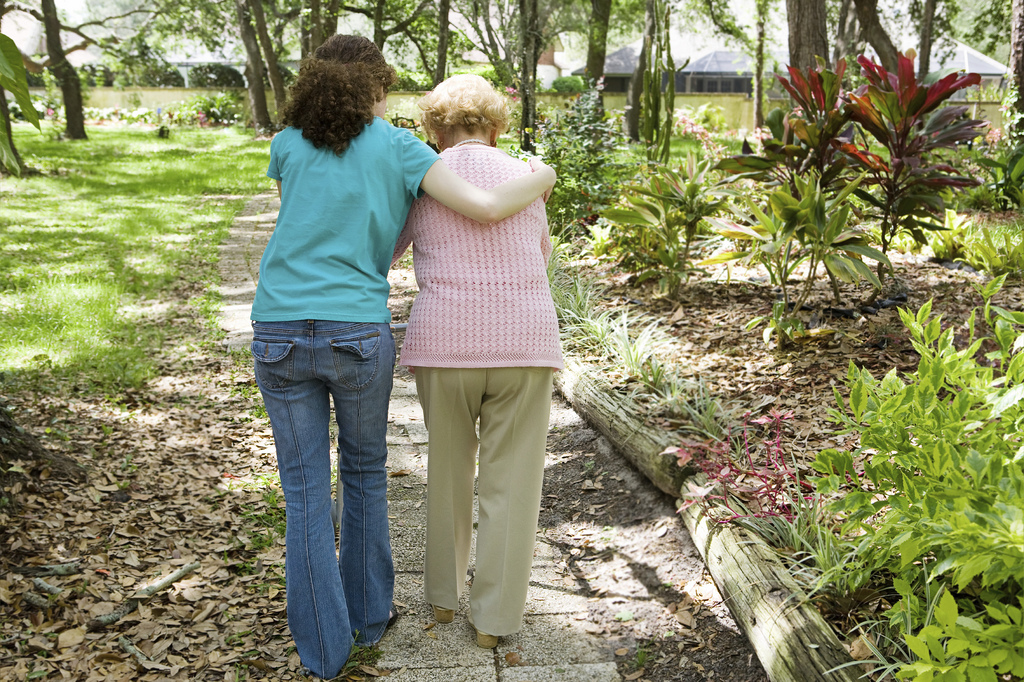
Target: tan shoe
[
  {"x": 443, "y": 615},
  {"x": 485, "y": 641}
]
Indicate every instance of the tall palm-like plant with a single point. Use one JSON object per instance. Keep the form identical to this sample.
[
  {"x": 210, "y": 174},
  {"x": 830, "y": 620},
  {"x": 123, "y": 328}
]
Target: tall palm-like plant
[{"x": 903, "y": 115}]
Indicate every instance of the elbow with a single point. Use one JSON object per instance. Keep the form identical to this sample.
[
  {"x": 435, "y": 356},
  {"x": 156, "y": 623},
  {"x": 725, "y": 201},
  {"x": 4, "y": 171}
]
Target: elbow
[{"x": 488, "y": 211}]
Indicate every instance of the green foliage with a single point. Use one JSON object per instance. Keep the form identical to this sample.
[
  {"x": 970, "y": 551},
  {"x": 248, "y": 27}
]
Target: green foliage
[
  {"x": 107, "y": 226},
  {"x": 1007, "y": 173},
  {"x": 568, "y": 85},
  {"x": 998, "y": 252},
  {"x": 215, "y": 76},
  {"x": 935, "y": 492},
  {"x": 411, "y": 81},
  {"x": 223, "y": 108},
  {"x": 813, "y": 230},
  {"x": 658, "y": 225},
  {"x": 953, "y": 242},
  {"x": 581, "y": 145},
  {"x": 12, "y": 79},
  {"x": 902, "y": 114}
]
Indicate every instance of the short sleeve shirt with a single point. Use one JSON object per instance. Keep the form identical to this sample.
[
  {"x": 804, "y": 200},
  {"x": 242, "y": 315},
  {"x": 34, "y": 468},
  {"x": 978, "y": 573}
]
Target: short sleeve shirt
[{"x": 340, "y": 217}]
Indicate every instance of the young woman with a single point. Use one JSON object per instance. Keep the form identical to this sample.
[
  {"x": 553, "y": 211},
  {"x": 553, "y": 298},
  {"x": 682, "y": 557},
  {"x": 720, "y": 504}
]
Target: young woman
[
  {"x": 320, "y": 331},
  {"x": 483, "y": 343}
]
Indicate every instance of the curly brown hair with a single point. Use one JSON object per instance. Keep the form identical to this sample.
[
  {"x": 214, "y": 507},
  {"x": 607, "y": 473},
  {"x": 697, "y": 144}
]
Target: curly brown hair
[{"x": 334, "y": 94}]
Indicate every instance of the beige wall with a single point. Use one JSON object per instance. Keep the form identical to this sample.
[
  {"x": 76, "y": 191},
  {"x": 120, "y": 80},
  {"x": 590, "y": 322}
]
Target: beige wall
[{"x": 738, "y": 109}]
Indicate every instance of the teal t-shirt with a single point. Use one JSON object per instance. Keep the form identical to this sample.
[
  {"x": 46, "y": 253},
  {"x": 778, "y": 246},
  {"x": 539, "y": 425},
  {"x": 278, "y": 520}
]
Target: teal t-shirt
[{"x": 340, "y": 217}]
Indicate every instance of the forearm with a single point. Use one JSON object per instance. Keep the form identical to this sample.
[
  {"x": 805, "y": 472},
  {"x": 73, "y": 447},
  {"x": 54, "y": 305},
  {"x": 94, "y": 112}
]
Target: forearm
[{"x": 486, "y": 206}]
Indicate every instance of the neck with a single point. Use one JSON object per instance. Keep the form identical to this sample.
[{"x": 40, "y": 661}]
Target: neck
[{"x": 467, "y": 137}]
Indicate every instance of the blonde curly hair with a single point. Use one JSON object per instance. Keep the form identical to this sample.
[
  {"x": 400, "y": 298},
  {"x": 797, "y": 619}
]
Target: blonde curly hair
[{"x": 465, "y": 101}]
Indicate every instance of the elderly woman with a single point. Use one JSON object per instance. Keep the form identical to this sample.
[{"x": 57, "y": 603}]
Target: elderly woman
[{"x": 483, "y": 343}]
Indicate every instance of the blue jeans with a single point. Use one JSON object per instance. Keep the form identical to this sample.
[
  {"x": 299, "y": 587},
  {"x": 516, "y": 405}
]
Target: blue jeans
[{"x": 300, "y": 366}]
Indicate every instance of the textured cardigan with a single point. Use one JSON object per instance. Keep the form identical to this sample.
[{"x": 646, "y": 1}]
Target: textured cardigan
[{"x": 484, "y": 298}]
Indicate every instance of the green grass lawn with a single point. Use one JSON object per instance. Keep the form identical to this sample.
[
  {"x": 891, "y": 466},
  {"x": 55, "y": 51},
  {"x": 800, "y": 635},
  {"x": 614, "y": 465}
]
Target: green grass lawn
[{"x": 100, "y": 233}]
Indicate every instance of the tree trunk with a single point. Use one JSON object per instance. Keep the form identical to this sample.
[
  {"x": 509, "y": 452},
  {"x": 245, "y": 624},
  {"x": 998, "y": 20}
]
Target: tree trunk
[
  {"x": 5, "y": 120},
  {"x": 846, "y": 31},
  {"x": 762, "y": 11},
  {"x": 808, "y": 36},
  {"x": 17, "y": 444},
  {"x": 273, "y": 72},
  {"x": 444, "y": 8},
  {"x": 5, "y": 115},
  {"x": 597, "y": 38},
  {"x": 924, "y": 52},
  {"x": 330, "y": 21},
  {"x": 635, "y": 94},
  {"x": 530, "y": 53},
  {"x": 67, "y": 77},
  {"x": 1017, "y": 62},
  {"x": 316, "y": 26},
  {"x": 253, "y": 70},
  {"x": 874, "y": 32}
]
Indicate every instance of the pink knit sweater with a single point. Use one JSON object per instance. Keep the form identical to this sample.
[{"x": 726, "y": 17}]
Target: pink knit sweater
[{"x": 484, "y": 299}]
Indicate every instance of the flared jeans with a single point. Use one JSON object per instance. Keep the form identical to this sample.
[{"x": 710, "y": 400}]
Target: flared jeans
[{"x": 300, "y": 367}]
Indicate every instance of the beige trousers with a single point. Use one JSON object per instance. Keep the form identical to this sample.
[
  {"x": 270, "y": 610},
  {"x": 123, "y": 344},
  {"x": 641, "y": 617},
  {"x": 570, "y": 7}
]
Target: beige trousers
[{"x": 512, "y": 405}]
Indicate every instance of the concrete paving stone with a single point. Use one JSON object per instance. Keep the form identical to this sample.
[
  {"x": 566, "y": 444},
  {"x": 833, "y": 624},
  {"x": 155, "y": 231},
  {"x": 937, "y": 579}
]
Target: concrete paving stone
[
  {"x": 452, "y": 645},
  {"x": 475, "y": 674},
  {"x": 586, "y": 672},
  {"x": 552, "y": 640}
]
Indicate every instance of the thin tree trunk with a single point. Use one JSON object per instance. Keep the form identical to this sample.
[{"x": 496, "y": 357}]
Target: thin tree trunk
[
  {"x": 1017, "y": 60},
  {"x": 253, "y": 69},
  {"x": 530, "y": 52},
  {"x": 762, "y": 10},
  {"x": 807, "y": 33},
  {"x": 273, "y": 72},
  {"x": 635, "y": 94},
  {"x": 443, "y": 30},
  {"x": 924, "y": 53},
  {"x": 846, "y": 31},
  {"x": 67, "y": 77},
  {"x": 330, "y": 21},
  {"x": 5, "y": 116},
  {"x": 597, "y": 38},
  {"x": 874, "y": 32},
  {"x": 316, "y": 26}
]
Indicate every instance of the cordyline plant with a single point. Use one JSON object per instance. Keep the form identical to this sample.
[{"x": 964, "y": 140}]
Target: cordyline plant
[
  {"x": 802, "y": 140},
  {"x": 902, "y": 114}
]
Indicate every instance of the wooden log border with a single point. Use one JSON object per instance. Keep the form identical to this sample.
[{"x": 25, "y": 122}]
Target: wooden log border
[{"x": 788, "y": 634}]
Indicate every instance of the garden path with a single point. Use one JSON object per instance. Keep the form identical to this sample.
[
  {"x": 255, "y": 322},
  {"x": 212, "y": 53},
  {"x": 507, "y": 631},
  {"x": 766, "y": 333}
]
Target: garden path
[{"x": 579, "y": 626}]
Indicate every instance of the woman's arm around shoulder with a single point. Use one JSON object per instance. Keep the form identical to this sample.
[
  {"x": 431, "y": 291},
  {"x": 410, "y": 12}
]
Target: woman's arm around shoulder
[{"x": 488, "y": 206}]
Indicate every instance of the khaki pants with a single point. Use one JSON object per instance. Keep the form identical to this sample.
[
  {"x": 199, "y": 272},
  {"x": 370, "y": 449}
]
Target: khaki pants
[{"x": 513, "y": 405}]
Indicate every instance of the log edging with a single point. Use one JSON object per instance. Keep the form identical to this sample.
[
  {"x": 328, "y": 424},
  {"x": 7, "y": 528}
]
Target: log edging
[{"x": 788, "y": 634}]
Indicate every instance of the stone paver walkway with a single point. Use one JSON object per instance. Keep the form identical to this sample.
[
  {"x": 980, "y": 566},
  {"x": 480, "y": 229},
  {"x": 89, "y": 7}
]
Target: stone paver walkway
[{"x": 552, "y": 647}]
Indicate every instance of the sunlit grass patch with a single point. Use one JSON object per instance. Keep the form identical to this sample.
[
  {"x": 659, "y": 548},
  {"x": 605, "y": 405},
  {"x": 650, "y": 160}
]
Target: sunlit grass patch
[{"x": 102, "y": 227}]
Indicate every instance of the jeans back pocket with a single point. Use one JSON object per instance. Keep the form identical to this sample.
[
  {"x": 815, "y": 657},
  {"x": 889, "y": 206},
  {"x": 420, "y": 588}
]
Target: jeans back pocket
[
  {"x": 356, "y": 359},
  {"x": 274, "y": 362}
]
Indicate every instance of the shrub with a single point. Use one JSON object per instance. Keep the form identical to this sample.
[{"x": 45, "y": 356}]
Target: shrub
[
  {"x": 220, "y": 109},
  {"x": 411, "y": 81},
  {"x": 902, "y": 114},
  {"x": 933, "y": 499},
  {"x": 568, "y": 85},
  {"x": 580, "y": 145},
  {"x": 659, "y": 220},
  {"x": 215, "y": 76}
]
